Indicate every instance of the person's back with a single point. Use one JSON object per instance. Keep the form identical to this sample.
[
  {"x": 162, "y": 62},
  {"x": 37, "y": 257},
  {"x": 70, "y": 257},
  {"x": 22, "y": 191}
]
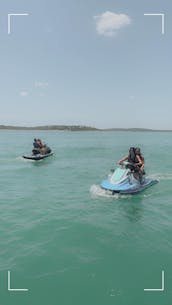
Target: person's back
[
  {"x": 36, "y": 144},
  {"x": 36, "y": 147}
]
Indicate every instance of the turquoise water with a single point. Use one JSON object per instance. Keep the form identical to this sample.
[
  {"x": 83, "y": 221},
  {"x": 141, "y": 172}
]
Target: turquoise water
[{"x": 66, "y": 240}]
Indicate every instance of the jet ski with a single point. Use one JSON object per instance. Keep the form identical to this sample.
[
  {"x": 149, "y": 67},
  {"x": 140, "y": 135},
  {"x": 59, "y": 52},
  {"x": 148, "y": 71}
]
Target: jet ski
[
  {"x": 38, "y": 157},
  {"x": 124, "y": 181}
]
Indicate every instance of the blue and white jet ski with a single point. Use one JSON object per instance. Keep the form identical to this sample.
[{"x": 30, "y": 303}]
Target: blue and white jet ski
[{"x": 124, "y": 181}]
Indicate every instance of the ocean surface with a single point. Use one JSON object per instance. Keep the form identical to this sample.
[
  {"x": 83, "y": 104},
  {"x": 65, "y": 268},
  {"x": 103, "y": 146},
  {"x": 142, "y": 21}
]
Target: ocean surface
[{"x": 66, "y": 240}]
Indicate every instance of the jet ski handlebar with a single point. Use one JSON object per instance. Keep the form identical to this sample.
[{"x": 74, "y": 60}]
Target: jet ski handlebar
[{"x": 126, "y": 164}]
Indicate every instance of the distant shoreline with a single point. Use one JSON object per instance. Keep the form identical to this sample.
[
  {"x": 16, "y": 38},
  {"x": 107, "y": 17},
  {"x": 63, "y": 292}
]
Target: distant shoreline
[{"x": 77, "y": 128}]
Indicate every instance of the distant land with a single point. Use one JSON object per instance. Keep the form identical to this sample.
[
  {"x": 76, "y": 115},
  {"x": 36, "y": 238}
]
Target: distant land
[
  {"x": 50, "y": 127},
  {"x": 78, "y": 128}
]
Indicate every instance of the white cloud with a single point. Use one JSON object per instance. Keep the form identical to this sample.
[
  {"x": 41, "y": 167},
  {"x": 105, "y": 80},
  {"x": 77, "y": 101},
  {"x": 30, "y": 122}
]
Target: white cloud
[
  {"x": 40, "y": 84},
  {"x": 24, "y": 93},
  {"x": 109, "y": 23}
]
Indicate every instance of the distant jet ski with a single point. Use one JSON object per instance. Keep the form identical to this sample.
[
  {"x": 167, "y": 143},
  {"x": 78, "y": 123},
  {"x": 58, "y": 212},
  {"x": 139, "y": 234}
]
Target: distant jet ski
[
  {"x": 38, "y": 157},
  {"x": 124, "y": 181},
  {"x": 39, "y": 153}
]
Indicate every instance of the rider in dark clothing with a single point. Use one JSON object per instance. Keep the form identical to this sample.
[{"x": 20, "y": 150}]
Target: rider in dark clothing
[
  {"x": 40, "y": 148},
  {"x": 131, "y": 158},
  {"x": 36, "y": 147},
  {"x": 136, "y": 162},
  {"x": 36, "y": 144}
]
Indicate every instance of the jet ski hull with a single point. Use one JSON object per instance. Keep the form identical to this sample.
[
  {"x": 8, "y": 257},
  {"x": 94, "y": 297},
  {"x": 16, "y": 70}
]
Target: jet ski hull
[
  {"x": 38, "y": 157},
  {"x": 124, "y": 181},
  {"x": 127, "y": 187}
]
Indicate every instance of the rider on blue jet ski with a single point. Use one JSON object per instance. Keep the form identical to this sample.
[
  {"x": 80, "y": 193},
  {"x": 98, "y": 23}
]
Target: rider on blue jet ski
[{"x": 136, "y": 162}]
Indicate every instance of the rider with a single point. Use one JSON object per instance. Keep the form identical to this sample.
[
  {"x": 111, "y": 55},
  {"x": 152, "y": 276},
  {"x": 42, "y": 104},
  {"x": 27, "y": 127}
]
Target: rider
[
  {"x": 141, "y": 158},
  {"x": 43, "y": 147},
  {"x": 136, "y": 162},
  {"x": 130, "y": 158},
  {"x": 36, "y": 147}
]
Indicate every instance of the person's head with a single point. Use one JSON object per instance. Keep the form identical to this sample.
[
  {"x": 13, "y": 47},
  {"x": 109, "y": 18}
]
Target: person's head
[
  {"x": 132, "y": 153},
  {"x": 137, "y": 150},
  {"x": 131, "y": 150},
  {"x": 35, "y": 140}
]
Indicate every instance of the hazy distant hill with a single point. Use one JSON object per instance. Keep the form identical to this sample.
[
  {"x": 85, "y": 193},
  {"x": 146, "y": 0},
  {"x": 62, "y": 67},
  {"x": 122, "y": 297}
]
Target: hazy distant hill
[
  {"x": 137, "y": 129},
  {"x": 50, "y": 127},
  {"x": 77, "y": 128}
]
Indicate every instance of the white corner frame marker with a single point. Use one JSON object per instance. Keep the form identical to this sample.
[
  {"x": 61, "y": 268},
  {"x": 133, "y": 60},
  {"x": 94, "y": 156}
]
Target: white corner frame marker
[
  {"x": 14, "y": 289},
  {"x": 9, "y": 20},
  {"x": 157, "y": 289},
  {"x": 162, "y": 20}
]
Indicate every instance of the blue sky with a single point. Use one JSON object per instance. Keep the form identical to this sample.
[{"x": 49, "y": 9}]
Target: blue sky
[{"x": 98, "y": 63}]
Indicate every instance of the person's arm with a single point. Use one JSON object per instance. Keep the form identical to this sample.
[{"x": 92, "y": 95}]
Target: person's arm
[
  {"x": 122, "y": 160},
  {"x": 139, "y": 159},
  {"x": 141, "y": 162}
]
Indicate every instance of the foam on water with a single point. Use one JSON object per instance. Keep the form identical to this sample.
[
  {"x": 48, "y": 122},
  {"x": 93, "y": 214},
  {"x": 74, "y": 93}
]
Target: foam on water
[
  {"x": 97, "y": 191},
  {"x": 161, "y": 176}
]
